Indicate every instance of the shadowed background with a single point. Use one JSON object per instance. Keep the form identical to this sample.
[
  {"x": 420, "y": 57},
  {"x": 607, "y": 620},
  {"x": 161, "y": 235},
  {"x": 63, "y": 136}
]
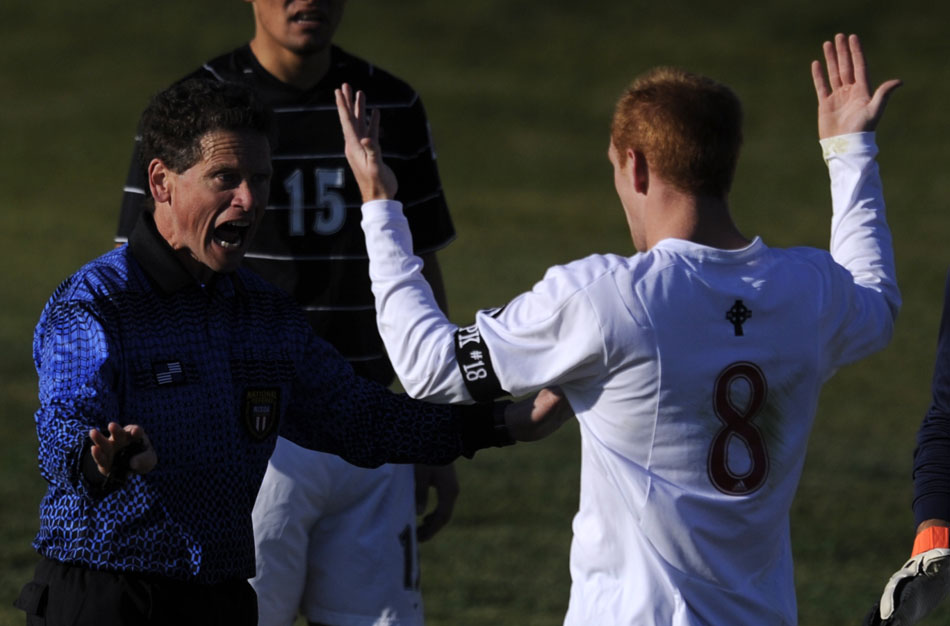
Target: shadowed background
[{"x": 519, "y": 94}]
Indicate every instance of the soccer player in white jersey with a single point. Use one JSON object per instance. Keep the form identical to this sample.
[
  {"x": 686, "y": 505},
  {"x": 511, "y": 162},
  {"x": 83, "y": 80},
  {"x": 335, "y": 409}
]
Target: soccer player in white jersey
[{"x": 694, "y": 366}]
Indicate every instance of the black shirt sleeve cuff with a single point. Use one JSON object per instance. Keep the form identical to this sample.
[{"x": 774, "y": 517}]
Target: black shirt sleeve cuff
[{"x": 482, "y": 425}]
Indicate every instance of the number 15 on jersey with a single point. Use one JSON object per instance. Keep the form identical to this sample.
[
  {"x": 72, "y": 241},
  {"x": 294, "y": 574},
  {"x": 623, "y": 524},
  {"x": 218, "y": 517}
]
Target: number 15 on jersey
[{"x": 331, "y": 209}]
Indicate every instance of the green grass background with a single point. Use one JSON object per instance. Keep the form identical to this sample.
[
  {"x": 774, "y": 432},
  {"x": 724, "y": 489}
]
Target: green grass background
[{"x": 520, "y": 94}]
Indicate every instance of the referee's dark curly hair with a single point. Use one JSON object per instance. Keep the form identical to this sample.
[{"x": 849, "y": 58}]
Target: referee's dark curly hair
[{"x": 176, "y": 119}]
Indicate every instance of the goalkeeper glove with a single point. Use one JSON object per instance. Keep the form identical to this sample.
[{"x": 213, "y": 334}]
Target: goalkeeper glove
[{"x": 920, "y": 585}]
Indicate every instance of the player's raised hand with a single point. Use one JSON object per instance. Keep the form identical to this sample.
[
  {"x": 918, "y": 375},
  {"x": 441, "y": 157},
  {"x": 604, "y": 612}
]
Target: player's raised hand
[
  {"x": 125, "y": 446},
  {"x": 845, "y": 102},
  {"x": 361, "y": 133}
]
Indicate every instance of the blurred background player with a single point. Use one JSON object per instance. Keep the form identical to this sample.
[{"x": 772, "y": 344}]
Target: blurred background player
[
  {"x": 923, "y": 582},
  {"x": 337, "y": 541},
  {"x": 694, "y": 366}
]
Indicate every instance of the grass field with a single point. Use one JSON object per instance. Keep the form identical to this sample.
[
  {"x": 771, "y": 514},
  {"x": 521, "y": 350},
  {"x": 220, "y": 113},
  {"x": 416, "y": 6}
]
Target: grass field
[{"x": 520, "y": 94}]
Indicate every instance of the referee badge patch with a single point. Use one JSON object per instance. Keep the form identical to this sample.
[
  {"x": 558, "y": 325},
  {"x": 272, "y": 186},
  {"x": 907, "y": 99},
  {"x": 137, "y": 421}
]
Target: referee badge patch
[{"x": 261, "y": 411}]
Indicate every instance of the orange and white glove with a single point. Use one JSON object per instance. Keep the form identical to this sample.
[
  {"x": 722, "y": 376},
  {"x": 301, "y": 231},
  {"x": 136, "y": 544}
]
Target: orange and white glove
[{"x": 922, "y": 583}]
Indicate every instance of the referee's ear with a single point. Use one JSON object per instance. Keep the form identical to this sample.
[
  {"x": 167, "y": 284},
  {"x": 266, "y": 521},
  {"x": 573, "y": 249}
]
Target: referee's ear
[{"x": 158, "y": 180}]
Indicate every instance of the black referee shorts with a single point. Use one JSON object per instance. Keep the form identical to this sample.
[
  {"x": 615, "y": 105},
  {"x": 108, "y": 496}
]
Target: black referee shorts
[{"x": 70, "y": 595}]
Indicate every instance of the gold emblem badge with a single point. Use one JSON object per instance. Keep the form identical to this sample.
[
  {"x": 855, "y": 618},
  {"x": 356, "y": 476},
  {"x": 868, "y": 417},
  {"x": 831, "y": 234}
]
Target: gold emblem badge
[{"x": 261, "y": 411}]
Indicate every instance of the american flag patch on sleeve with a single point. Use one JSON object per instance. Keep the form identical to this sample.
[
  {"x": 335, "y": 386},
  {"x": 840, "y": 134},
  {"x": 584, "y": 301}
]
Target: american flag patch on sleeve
[{"x": 168, "y": 373}]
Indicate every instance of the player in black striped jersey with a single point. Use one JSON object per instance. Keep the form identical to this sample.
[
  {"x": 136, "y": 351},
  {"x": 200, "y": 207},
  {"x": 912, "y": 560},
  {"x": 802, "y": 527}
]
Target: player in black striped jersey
[{"x": 310, "y": 244}]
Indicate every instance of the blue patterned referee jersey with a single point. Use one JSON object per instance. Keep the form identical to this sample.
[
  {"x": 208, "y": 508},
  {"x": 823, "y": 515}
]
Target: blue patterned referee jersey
[{"x": 212, "y": 373}]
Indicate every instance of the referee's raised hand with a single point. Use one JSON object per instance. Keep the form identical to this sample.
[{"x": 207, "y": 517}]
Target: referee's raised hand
[{"x": 361, "y": 133}]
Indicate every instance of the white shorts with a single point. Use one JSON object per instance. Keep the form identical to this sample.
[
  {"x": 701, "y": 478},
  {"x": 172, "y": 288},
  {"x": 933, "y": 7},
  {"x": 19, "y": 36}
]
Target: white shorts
[{"x": 336, "y": 541}]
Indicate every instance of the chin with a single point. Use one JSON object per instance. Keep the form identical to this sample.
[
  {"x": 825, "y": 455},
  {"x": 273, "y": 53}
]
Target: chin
[
  {"x": 226, "y": 265},
  {"x": 311, "y": 46}
]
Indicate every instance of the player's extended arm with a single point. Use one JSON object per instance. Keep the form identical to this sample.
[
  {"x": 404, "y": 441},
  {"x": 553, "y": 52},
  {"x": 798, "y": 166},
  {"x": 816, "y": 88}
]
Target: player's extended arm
[
  {"x": 441, "y": 479},
  {"x": 435, "y": 359},
  {"x": 422, "y": 352},
  {"x": 862, "y": 307}
]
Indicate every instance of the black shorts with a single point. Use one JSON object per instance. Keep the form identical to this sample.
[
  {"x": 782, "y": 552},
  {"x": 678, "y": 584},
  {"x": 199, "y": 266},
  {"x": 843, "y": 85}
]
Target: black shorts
[{"x": 61, "y": 594}]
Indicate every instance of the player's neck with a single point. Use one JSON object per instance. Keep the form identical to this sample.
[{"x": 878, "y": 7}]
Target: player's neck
[
  {"x": 704, "y": 220},
  {"x": 300, "y": 70}
]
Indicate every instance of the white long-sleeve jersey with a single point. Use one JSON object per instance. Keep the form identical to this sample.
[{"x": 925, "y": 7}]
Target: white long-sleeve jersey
[{"x": 694, "y": 373}]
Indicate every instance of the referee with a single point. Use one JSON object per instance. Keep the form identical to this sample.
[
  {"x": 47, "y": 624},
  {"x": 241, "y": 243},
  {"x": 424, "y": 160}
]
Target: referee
[
  {"x": 322, "y": 546},
  {"x": 166, "y": 372}
]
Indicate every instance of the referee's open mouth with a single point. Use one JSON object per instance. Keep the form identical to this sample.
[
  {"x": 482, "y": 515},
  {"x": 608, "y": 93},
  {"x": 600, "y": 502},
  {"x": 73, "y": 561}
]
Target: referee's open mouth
[{"x": 231, "y": 235}]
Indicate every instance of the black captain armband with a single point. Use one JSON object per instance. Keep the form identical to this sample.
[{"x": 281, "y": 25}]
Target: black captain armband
[
  {"x": 483, "y": 426},
  {"x": 474, "y": 362}
]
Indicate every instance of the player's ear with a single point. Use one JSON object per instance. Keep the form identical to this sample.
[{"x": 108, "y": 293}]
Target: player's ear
[
  {"x": 640, "y": 170},
  {"x": 159, "y": 180}
]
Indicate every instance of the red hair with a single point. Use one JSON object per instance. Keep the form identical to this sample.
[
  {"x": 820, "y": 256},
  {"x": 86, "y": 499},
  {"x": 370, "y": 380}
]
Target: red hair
[{"x": 688, "y": 127}]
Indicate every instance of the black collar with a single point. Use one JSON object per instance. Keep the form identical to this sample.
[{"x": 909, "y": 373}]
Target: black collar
[{"x": 157, "y": 258}]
